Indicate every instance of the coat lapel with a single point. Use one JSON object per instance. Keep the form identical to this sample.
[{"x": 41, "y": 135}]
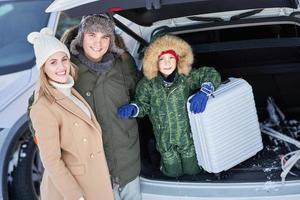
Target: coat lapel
[
  {"x": 70, "y": 106},
  {"x": 94, "y": 120}
]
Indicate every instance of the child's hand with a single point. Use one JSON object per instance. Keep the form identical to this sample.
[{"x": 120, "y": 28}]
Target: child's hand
[
  {"x": 199, "y": 100},
  {"x": 128, "y": 110}
]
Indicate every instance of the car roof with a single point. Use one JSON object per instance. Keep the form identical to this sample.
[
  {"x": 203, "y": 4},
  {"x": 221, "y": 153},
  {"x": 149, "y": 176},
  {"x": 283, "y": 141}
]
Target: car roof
[{"x": 149, "y": 11}]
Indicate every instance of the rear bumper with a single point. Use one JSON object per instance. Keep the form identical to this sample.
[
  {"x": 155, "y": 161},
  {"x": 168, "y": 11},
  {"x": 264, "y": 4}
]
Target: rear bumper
[{"x": 156, "y": 190}]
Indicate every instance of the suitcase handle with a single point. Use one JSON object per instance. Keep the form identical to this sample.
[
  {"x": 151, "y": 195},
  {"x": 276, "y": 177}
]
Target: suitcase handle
[{"x": 226, "y": 81}]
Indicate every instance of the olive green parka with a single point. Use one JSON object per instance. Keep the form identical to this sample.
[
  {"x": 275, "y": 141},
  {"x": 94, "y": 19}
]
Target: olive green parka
[{"x": 105, "y": 93}]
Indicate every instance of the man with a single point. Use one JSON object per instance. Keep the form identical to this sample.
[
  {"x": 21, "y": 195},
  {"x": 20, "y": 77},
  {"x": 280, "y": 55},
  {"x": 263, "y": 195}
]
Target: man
[{"x": 107, "y": 77}]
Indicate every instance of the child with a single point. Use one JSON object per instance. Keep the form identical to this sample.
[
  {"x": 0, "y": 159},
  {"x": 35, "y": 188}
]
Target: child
[{"x": 162, "y": 94}]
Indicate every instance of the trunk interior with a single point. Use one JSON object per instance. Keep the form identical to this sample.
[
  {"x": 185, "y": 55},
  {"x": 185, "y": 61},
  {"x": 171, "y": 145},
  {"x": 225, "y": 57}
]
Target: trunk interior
[{"x": 268, "y": 57}]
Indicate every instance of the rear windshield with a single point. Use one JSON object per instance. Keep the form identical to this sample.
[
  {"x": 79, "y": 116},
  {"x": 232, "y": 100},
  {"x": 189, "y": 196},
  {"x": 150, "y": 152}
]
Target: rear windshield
[{"x": 17, "y": 19}]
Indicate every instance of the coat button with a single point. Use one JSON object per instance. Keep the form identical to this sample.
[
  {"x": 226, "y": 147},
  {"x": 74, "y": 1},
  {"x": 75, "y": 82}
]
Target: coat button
[
  {"x": 84, "y": 140},
  {"x": 88, "y": 93},
  {"x": 76, "y": 124},
  {"x": 91, "y": 155}
]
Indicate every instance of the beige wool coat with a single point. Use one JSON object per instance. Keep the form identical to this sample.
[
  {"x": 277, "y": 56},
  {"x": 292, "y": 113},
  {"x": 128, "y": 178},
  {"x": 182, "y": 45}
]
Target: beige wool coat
[{"x": 71, "y": 150}]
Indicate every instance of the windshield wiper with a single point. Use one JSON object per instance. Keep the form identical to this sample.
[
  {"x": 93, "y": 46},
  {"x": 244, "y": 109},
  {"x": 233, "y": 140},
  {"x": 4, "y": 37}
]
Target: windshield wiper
[
  {"x": 245, "y": 14},
  {"x": 206, "y": 19}
]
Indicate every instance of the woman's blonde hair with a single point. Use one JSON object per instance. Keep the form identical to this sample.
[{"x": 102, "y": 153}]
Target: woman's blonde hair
[{"x": 43, "y": 86}]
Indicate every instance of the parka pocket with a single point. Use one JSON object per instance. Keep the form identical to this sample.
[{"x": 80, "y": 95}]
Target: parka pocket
[{"x": 77, "y": 170}]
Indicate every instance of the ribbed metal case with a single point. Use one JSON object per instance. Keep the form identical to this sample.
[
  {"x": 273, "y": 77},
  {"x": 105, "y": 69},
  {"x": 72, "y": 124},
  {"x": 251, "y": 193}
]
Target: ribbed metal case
[{"x": 227, "y": 132}]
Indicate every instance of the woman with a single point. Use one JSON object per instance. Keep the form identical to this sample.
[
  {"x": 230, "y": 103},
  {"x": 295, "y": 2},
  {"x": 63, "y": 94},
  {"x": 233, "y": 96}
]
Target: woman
[{"x": 67, "y": 132}]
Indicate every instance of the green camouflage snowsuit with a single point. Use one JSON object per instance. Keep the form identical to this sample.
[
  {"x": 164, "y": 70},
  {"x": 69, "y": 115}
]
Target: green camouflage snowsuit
[{"x": 167, "y": 110}]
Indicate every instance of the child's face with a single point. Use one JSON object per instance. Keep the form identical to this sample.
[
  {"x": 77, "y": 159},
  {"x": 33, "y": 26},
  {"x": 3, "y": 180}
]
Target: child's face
[{"x": 166, "y": 64}]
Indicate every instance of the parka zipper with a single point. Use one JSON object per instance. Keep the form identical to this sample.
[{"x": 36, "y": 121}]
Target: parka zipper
[
  {"x": 171, "y": 92},
  {"x": 115, "y": 180},
  {"x": 168, "y": 113}
]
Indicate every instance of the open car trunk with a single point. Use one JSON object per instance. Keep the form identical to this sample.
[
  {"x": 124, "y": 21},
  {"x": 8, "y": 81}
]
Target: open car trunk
[
  {"x": 265, "y": 52},
  {"x": 267, "y": 55}
]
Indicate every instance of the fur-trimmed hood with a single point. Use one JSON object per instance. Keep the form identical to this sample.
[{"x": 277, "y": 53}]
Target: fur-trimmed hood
[
  {"x": 69, "y": 35},
  {"x": 182, "y": 49}
]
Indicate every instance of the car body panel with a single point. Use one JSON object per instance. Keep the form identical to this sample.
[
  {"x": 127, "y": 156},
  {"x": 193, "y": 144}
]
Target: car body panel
[{"x": 12, "y": 101}]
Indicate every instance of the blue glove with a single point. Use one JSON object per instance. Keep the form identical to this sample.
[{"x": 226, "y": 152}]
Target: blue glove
[
  {"x": 127, "y": 110},
  {"x": 199, "y": 100}
]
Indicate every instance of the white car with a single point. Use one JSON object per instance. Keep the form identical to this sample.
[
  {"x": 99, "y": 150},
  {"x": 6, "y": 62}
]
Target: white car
[{"x": 256, "y": 40}]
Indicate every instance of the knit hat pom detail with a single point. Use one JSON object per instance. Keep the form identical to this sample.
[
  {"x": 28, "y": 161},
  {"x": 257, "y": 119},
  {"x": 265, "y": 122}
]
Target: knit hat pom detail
[
  {"x": 31, "y": 38},
  {"x": 47, "y": 31}
]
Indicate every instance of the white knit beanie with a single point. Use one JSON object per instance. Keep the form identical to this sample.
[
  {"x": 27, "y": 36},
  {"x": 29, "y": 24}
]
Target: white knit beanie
[{"x": 45, "y": 44}]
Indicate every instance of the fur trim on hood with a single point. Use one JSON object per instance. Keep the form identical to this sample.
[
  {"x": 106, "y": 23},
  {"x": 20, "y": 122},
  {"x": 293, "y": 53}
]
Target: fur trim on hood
[
  {"x": 182, "y": 49},
  {"x": 69, "y": 35}
]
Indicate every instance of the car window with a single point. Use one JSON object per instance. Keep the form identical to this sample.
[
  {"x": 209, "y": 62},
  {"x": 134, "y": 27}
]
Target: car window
[
  {"x": 65, "y": 22},
  {"x": 17, "y": 20}
]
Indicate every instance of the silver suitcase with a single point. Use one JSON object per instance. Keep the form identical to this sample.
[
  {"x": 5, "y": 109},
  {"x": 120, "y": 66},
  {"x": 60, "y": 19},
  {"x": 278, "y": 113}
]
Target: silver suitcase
[{"x": 227, "y": 132}]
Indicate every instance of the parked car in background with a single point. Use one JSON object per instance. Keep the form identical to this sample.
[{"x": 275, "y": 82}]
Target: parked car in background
[{"x": 256, "y": 40}]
